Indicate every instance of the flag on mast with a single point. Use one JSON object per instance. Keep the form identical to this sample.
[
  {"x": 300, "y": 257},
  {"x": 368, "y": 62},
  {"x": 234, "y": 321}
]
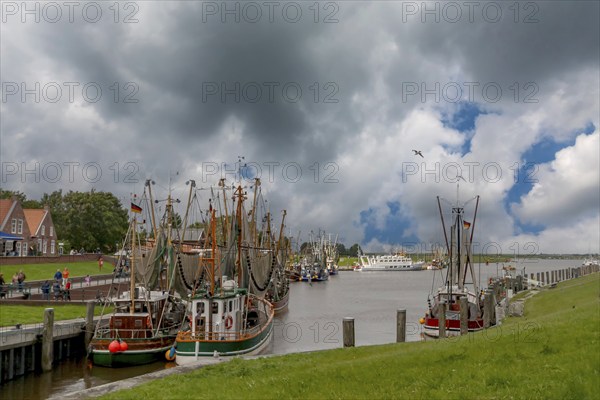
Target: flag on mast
[
  {"x": 466, "y": 224},
  {"x": 135, "y": 208}
]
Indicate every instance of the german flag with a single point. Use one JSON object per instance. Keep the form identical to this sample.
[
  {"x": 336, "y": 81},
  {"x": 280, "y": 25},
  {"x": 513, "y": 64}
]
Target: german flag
[
  {"x": 466, "y": 224},
  {"x": 136, "y": 209}
]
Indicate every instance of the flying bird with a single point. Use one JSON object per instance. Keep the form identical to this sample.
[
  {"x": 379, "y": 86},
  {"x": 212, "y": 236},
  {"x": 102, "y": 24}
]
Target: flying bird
[{"x": 418, "y": 152}]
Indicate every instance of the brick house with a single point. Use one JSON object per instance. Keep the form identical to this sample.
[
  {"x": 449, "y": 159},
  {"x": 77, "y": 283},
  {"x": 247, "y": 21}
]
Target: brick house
[{"x": 34, "y": 226}]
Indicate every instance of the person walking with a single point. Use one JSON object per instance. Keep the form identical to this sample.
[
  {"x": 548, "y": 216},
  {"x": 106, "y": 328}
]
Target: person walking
[
  {"x": 56, "y": 289},
  {"x": 100, "y": 263},
  {"x": 65, "y": 276},
  {"x": 46, "y": 290},
  {"x": 67, "y": 293},
  {"x": 87, "y": 280},
  {"x": 20, "y": 279},
  {"x": 58, "y": 275}
]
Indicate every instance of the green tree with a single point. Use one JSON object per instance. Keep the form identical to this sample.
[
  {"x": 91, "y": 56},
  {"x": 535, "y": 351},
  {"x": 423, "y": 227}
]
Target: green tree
[{"x": 93, "y": 220}]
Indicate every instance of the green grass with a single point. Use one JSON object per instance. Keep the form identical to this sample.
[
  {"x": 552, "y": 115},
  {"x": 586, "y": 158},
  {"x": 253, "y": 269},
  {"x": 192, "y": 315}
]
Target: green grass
[
  {"x": 11, "y": 314},
  {"x": 34, "y": 272},
  {"x": 347, "y": 261},
  {"x": 550, "y": 353}
]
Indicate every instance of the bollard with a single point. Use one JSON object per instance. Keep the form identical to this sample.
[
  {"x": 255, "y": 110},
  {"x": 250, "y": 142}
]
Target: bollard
[
  {"x": 401, "y": 326},
  {"x": 89, "y": 322},
  {"x": 547, "y": 277},
  {"x": 442, "y": 321},
  {"x": 538, "y": 277},
  {"x": 48, "y": 340},
  {"x": 487, "y": 310},
  {"x": 348, "y": 331},
  {"x": 464, "y": 316}
]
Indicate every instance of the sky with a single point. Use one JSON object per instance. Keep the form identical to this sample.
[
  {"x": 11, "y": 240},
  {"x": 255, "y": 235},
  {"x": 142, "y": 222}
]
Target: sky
[{"x": 325, "y": 102}]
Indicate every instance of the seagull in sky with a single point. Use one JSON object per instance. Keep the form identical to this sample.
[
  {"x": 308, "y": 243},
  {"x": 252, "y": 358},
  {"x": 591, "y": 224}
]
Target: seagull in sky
[{"x": 418, "y": 153}]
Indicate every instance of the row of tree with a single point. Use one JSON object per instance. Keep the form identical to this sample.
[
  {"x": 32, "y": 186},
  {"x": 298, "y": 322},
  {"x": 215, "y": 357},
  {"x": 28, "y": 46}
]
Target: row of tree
[{"x": 89, "y": 220}]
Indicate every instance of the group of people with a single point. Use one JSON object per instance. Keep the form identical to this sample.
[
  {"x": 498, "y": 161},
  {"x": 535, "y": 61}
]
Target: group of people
[
  {"x": 61, "y": 287},
  {"x": 17, "y": 282}
]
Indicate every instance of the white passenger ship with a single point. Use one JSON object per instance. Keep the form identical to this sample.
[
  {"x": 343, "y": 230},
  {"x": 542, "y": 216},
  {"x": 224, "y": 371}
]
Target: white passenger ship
[{"x": 393, "y": 262}]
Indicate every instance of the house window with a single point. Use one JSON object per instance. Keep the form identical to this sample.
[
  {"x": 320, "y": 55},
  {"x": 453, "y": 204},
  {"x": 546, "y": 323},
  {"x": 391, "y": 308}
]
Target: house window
[
  {"x": 45, "y": 248},
  {"x": 39, "y": 246},
  {"x": 52, "y": 247},
  {"x": 51, "y": 231},
  {"x": 13, "y": 226},
  {"x": 43, "y": 230},
  {"x": 25, "y": 248},
  {"x": 18, "y": 248},
  {"x": 20, "y": 228}
]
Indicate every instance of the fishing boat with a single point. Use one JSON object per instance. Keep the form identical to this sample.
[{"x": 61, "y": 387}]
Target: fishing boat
[
  {"x": 447, "y": 297},
  {"x": 146, "y": 319},
  {"x": 278, "y": 292},
  {"x": 389, "y": 262},
  {"x": 228, "y": 317}
]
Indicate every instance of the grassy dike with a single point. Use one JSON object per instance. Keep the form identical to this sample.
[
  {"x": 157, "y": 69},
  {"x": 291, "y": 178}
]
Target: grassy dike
[
  {"x": 550, "y": 353},
  {"x": 11, "y": 315}
]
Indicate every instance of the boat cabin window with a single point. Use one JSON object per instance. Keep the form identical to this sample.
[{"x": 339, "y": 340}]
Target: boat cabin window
[
  {"x": 200, "y": 307},
  {"x": 138, "y": 323},
  {"x": 215, "y": 307},
  {"x": 118, "y": 323},
  {"x": 230, "y": 305}
]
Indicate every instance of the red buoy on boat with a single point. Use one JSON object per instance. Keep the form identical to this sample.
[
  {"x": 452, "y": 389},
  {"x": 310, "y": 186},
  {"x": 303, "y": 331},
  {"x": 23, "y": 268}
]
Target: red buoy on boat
[
  {"x": 114, "y": 346},
  {"x": 123, "y": 346}
]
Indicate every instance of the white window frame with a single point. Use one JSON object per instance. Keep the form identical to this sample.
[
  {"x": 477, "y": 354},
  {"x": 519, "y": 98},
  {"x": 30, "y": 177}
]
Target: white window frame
[
  {"x": 45, "y": 247},
  {"x": 20, "y": 226},
  {"x": 13, "y": 225},
  {"x": 25, "y": 248},
  {"x": 52, "y": 247},
  {"x": 43, "y": 230},
  {"x": 51, "y": 230},
  {"x": 18, "y": 248}
]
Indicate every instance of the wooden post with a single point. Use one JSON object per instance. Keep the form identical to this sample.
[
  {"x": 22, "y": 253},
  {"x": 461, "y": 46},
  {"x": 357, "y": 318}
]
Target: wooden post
[
  {"x": 464, "y": 316},
  {"x": 519, "y": 283},
  {"x": 47, "y": 340},
  {"x": 401, "y": 326},
  {"x": 89, "y": 322},
  {"x": 547, "y": 277},
  {"x": 538, "y": 277},
  {"x": 348, "y": 331},
  {"x": 487, "y": 310},
  {"x": 442, "y": 321}
]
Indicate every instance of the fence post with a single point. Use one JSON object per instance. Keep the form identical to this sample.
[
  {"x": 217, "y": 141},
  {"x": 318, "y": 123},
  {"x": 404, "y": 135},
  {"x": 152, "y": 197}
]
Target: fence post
[
  {"x": 400, "y": 326},
  {"x": 348, "y": 331}
]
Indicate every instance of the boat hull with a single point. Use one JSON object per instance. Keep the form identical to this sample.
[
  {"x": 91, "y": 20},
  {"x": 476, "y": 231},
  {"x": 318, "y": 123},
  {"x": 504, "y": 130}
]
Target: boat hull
[
  {"x": 431, "y": 326},
  {"x": 189, "y": 350},
  {"x": 281, "y": 306},
  {"x": 413, "y": 267},
  {"x": 139, "y": 352}
]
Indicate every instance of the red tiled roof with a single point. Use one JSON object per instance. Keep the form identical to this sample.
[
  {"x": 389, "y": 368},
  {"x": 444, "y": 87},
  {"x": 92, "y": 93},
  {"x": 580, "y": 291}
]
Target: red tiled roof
[
  {"x": 34, "y": 218},
  {"x": 5, "y": 205}
]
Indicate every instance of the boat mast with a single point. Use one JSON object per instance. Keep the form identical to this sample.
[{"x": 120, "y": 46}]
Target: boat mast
[
  {"x": 253, "y": 215},
  {"x": 132, "y": 269},
  {"x": 225, "y": 223},
  {"x": 238, "y": 262},
  {"x": 152, "y": 218}
]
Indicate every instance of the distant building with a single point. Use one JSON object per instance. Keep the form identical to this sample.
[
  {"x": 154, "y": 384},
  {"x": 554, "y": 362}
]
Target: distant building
[{"x": 26, "y": 232}]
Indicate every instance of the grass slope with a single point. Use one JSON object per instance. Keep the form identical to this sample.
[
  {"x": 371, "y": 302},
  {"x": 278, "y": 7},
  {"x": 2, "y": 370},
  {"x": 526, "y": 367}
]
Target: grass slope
[
  {"x": 34, "y": 272},
  {"x": 11, "y": 315},
  {"x": 550, "y": 353}
]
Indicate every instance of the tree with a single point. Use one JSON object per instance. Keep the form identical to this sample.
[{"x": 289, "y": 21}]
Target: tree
[
  {"x": 93, "y": 220},
  {"x": 353, "y": 251}
]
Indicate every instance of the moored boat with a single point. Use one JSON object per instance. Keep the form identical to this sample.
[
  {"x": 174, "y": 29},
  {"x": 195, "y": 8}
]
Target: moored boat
[
  {"x": 145, "y": 320},
  {"x": 228, "y": 317},
  {"x": 447, "y": 298},
  {"x": 389, "y": 262}
]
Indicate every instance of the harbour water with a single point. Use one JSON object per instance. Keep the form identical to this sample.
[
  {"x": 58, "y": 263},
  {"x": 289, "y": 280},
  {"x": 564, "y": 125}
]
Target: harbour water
[{"x": 313, "y": 321}]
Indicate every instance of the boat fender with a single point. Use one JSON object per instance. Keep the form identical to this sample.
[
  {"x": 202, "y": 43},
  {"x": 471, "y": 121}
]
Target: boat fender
[
  {"x": 114, "y": 346},
  {"x": 228, "y": 322},
  {"x": 170, "y": 354},
  {"x": 123, "y": 346}
]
